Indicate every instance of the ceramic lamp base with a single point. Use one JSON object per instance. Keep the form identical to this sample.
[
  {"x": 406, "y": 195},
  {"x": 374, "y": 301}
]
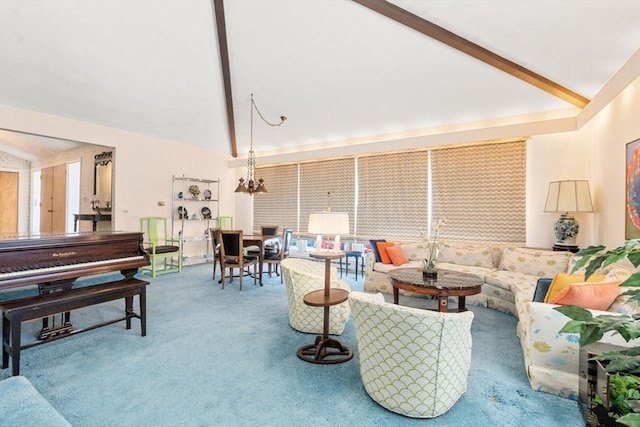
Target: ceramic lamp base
[{"x": 566, "y": 230}]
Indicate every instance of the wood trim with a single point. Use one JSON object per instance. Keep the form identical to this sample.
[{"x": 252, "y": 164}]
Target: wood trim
[
  {"x": 436, "y": 32},
  {"x": 221, "y": 27}
]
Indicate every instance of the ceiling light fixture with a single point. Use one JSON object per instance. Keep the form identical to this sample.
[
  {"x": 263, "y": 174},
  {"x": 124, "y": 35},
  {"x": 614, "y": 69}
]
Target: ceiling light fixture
[{"x": 250, "y": 187}]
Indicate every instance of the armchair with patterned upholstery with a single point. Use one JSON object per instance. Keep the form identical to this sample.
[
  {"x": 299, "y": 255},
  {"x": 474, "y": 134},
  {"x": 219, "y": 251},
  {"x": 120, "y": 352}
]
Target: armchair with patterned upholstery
[
  {"x": 413, "y": 362},
  {"x": 302, "y": 276}
]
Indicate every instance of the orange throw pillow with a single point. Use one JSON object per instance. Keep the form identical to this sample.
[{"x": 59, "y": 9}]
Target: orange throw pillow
[
  {"x": 397, "y": 255},
  {"x": 590, "y": 295},
  {"x": 382, "y": 248},
  {"x": 562, "y": 280}
]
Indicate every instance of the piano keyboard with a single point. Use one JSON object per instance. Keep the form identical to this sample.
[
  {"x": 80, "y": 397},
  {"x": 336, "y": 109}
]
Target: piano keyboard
[{"x": 68, "y": 267}]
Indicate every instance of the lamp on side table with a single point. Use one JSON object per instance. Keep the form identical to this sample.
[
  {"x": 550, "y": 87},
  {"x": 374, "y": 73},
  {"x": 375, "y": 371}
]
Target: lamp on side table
[
  {"x": 566, "y": 197},
  {"x": 326, "y": 350}
]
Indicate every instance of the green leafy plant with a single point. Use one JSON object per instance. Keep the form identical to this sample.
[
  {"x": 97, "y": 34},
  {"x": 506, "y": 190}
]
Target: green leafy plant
[{"x": 625, "y": 392}]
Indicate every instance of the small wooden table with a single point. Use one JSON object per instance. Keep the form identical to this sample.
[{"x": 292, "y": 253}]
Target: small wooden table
[
  {"x": 94, "y": 218},
  {"x": 448, "y": 283},
  {"x": 325, "y": 350}
]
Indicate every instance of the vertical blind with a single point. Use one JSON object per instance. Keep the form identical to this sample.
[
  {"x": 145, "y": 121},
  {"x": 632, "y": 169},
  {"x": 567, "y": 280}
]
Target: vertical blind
[
  {"x": 317, "y": 179},
  {"x": 392, "y": 195},
  {"x": 479, "y": 191},
  {"x": 280, "y": 205}
]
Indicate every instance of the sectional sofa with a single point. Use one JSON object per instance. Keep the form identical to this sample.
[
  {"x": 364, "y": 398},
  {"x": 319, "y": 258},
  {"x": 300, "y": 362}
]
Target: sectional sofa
[{"x": 510, "y": 274}]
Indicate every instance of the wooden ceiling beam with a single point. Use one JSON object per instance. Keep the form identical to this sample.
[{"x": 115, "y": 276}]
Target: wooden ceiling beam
[
  {"x": 436, "y": 32},
  {"x": 221, "y": 27}
]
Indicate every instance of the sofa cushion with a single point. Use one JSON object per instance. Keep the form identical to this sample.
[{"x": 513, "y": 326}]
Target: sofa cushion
[
  {"x": 416, "y": 251},
  {"x": 534, "y": 262},
  {"x": 385, "y": 268},
  {"x": 563, "y": 280},
  {"x": 465, "y": 255},
  {"x": 592, "y": 295},
  {"x": 623, "y": 304},
  {"x": 468, "y": 269},
  {"x": 382, "y": 249},
  {"x": 542, "y": 288},
  {"x": 397, "y": 255},
  {"x": 374, "y": 248}
]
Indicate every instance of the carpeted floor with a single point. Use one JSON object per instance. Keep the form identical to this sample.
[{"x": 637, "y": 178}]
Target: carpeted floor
[{"x": 228, "y": 358}]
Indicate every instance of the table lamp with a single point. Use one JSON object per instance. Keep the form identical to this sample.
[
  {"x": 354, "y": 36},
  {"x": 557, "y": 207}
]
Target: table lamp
[
  {"x": 328, "y": 223},
  {"x": 567, "y": 196}
]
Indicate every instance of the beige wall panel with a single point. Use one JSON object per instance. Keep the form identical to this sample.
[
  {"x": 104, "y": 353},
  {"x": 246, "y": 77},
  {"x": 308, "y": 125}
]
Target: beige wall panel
[{"x": 9, "y": 202}]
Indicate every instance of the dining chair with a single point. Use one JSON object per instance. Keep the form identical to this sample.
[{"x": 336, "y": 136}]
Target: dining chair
[
  {"x": 232, "y": 256},
  {"x": 162, "y": 249},
  {"x": 275, "y": 258},
  {"x": 269, "y": 246}
]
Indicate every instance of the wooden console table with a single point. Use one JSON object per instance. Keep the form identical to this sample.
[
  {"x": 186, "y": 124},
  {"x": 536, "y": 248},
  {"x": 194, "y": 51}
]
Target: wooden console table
[
  {"x": 325, "y": 350},
  {"x": 90, "y": 217}
]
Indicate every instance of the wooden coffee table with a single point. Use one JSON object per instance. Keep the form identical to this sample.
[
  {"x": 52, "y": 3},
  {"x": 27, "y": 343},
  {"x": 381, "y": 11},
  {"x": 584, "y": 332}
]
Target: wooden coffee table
[{"x": 448, "y": 283}]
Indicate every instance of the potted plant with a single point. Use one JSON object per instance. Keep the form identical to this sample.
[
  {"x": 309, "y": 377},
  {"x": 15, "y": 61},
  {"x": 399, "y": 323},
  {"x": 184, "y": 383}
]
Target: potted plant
[{"x": 621, "y": 366}]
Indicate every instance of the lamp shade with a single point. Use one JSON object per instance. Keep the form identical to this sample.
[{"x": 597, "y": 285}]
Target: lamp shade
[
  {"x": 328, "y": 223},
  {"x": 569, "y": 196}
]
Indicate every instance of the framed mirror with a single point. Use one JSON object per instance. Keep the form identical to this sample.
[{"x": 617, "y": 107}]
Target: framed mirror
[{"x": 102, "y": 182}]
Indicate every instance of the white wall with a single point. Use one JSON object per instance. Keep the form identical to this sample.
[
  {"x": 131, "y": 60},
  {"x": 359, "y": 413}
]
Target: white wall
[
  {"x": 143, "y": 165},
  {"x": 555, "y": 157},
  {"x": 609, "y": 131}
]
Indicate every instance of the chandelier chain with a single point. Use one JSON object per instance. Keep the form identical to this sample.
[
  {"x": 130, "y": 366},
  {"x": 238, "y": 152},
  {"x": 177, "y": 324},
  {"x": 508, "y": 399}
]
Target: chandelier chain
[{"x": 251, "y": 186}]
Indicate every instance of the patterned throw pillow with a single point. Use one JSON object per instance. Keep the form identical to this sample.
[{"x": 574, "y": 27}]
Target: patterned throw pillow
[
  {"x": 416, "y": 251},
  {"x": 465, "y": 255},
  {"x": 623, "y": 304},
  {"x": 534, "y": 262}
]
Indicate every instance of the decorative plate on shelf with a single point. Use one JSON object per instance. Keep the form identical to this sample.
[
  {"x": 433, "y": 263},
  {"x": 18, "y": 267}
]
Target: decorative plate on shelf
[
  {"x": 207, "y": 194},
  {"x": 206, "y": 213},
  {"x": 194, "y": 190},
  {"x": 182, "y": 212},
  {"x": 180, "y": 195}
]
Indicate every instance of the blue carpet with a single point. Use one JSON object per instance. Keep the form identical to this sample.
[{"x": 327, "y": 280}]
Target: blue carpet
[{"x": 228, "y": 358}]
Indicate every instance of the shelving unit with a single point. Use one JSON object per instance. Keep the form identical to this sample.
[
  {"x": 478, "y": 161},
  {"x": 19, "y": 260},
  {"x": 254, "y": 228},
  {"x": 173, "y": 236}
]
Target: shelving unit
[{"x": 194, "y": 195}]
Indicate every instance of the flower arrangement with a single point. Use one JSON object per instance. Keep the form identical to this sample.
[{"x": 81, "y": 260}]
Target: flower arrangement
[{"x": 429, "y": 265}]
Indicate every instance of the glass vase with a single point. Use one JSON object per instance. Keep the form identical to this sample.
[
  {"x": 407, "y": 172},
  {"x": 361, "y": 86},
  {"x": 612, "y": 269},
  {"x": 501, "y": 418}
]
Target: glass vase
[{"x": 429, "y": 270}]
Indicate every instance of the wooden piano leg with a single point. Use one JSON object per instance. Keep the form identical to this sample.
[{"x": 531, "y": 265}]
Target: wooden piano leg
[{"x": 6, "y": 331}]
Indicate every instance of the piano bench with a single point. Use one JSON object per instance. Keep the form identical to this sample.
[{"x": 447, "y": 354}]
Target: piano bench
[{"x": 17, "y": 311}]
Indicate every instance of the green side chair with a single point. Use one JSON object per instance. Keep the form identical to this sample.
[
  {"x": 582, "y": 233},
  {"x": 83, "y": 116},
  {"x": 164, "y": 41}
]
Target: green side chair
[{"x": 165, "y": 253}]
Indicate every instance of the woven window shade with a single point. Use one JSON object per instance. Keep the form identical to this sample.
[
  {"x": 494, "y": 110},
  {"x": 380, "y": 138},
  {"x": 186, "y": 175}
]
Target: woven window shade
[
  {"x": 392, "y": 195},
  {"x": 480, "y": 191},
  {"x": 280, "y": 205},
  {"x": 319, "y": 178}
]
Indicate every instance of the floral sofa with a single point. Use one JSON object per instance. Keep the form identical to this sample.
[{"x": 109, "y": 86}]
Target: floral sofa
[{"x": 510, "y": 275}]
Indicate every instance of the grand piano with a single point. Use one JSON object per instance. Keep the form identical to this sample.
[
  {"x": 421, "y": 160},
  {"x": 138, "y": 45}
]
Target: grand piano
[{"x": 55, "y": 261}]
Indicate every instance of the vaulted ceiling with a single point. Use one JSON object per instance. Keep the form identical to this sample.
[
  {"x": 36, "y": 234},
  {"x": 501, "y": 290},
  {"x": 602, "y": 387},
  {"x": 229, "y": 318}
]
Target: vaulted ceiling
[{"x": 338, "y": 69}]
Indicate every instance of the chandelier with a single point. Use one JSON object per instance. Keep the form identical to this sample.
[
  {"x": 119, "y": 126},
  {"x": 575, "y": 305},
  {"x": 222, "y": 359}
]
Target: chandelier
[{"x": 250, "y": 187}]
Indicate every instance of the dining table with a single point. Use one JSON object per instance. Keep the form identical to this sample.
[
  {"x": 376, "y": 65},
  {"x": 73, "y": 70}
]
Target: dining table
[{"x": 260, "y": 241}]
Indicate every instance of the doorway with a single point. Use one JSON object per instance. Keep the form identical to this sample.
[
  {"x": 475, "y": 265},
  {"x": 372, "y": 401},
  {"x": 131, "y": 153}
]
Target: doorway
[
  {"x": 9, "y": 202},
  {"x": 53, "y": 199}
]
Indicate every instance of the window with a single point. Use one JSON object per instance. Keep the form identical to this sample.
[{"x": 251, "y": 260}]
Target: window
[
  {"x": 280, "y": 205},
  {"x": 392, "y": 195},
  {"x": 479, "y": 189}
]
